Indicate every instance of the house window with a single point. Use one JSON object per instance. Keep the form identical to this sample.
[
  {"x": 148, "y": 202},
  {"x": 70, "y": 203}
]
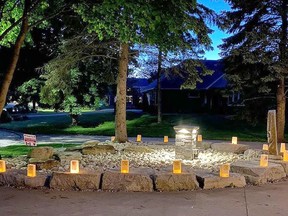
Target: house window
[
  {"x": 234, "y": 99},
  {"x": 129, "y": 99}
]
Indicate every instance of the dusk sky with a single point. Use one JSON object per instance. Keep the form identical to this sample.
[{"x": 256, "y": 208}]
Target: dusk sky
[{"x": 217, "y": 36}]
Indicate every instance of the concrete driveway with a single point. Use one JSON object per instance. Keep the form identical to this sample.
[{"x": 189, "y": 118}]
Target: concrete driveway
[{"x": 265, "y": 200}]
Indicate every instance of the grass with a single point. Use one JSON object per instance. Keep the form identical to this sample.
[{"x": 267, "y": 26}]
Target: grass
[
  {"x": 17, "y": 150},
  {"x": 211, "y": 126}
]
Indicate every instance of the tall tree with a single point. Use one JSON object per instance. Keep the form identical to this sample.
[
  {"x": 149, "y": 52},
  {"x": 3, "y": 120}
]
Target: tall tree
[
  {"x": 17, "y": 18},
  {"x": 138, "y": 21},
  {"x": 79, "y": 75},
  {"x": 259, "y": 39}
]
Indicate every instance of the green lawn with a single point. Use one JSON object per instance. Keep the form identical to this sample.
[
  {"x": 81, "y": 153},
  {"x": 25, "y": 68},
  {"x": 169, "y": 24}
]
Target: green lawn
[
  {"x": 211, "y": 126},
  {"x": 17, "y": 150}
]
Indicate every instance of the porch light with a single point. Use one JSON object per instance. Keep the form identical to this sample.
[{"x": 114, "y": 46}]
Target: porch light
[
  {"x": 2, "y": 166},
  {"x": 224, "y": 170},
  {"x": 177, "y": 168},
  {"x": 264, "y": 160},
  {"x": 125, "y": 166},
  {"x": 31, "y": 170},
  {"x": 74, "y": 166}
]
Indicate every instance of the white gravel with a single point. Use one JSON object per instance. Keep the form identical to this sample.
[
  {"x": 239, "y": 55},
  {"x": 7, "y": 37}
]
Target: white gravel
[{"x": 161, "y": 156}]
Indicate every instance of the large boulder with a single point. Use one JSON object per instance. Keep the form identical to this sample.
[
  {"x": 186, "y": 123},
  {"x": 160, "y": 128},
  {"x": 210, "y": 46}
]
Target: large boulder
[
  {"x": 255, "y": 174},
  {"x": 15, "y": 178},
  {"x": 66, "y": 157},
  {"x": 165, "y": 181},
  {"x": 133, "y": 181},
  {"x": 212, "y": 181},
  {"x": 284, "y": 164},
  {"x": 90, "y": 143},
  {"x": 232, "y": 148},
  {"x": 44, "y": 164},
  {"x": 252, "y": 153},
  {"x": 98, "y": 149},
  {"x": 42, "y": 153},
  {"x": 79, "y": 181},
  {"x": 37, "y": 181}
]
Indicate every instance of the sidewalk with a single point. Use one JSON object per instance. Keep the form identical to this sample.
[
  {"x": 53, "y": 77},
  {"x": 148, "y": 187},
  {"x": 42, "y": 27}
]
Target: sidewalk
[{"x": 265, "y": 200}]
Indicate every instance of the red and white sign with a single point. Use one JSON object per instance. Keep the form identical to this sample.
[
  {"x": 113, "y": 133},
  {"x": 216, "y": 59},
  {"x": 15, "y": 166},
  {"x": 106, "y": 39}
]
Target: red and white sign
[{"x": 30, "y": 140}]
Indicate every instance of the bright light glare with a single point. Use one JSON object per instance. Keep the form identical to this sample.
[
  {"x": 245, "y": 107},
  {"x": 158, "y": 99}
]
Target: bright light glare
[{"x": 184, "y": 131}]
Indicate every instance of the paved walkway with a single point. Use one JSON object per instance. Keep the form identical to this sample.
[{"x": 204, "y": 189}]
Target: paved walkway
[{"x": 265, "y": 200}]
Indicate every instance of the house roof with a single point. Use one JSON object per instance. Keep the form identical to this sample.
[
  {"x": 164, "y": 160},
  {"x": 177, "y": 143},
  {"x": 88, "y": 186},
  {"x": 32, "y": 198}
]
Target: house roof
[
  {"x": 173, "y": 82},
  {"x": 137, "y": 82}
]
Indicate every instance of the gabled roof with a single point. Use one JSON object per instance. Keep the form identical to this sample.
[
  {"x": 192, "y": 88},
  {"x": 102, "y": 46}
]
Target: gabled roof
[
  {"x": 173, "y": 82},
  {"x": 137, "y": 82}
]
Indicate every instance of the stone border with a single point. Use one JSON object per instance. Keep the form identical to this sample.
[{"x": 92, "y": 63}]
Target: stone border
[{"x": 147, "y": 179}]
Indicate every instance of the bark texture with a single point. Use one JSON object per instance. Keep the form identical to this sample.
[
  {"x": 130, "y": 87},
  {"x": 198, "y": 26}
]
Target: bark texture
[
  {"x": 281, "y": 97},
  {"x": 120, "y": 117},
  {"x": 281, "y": 104}
]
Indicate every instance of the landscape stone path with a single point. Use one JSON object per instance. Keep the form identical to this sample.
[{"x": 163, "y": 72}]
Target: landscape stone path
[{"x": 264, "y": 200}]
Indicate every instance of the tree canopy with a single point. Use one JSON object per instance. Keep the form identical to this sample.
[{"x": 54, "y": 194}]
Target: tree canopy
[
  {"x": 161, "y": 23},
  {"x": 256, "y": 53}
]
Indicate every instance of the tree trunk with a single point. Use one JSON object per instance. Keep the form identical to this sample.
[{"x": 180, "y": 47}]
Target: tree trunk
[
  {"x": 34, "y": 105},
  {"x": 120, "y": 117},
  {"x": 281, "y": 97},
  {"x": 159, "y": 96},
  {"x": 75, "y": 119},
  {"x": 15, "y": 57},
  {"x": 281, "y": 103}
]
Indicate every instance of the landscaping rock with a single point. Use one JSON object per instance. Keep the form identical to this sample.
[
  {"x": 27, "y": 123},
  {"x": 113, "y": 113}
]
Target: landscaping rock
[
  {"x": 80, "y": 181},
  {"x": 275, "y": 157},
  {"x": 41, "y": 153},
  {"x": 44, "y": 164},
  {"x": 212, "y": 181},
  {"x": 76, "y": 148},
  {"x": 165, "y": 181},
  {"x": 90, "y": 143},
  {"x": 282, "y": 163},
  {"x": 35, "y": 182},
  {"x": 226, "y": 147},
  {"x": 138, "y": 149},
  {"x": 68, "y": 156},
  {"x": 98, "y": 149},
  {"x": 206, "y": 145},
  {"x": 14, "y": 178},
  {"x": 255, "y": 174},
  {"x": 252, "y": 154},
  {"x": 133, "y": 181}
]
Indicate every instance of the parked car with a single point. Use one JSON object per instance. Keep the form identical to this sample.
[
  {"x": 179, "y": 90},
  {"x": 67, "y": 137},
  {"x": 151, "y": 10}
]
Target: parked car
[{"x": 17, "y": 111}]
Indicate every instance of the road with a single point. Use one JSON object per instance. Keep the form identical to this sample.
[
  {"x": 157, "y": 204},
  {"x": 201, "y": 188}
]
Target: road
[
  {"x": 265, "y": 200},
  {"x": 11, "y": 138}
]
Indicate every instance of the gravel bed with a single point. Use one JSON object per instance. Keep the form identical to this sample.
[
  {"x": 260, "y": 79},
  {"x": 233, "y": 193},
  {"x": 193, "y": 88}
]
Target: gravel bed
[{"x": 156, "y": 156}]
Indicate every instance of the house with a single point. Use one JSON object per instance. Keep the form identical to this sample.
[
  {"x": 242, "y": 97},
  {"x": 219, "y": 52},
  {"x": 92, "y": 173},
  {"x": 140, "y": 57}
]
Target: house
[
  {"x": 208, "y": 96},
  {"x": 134, "y": 95}
]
